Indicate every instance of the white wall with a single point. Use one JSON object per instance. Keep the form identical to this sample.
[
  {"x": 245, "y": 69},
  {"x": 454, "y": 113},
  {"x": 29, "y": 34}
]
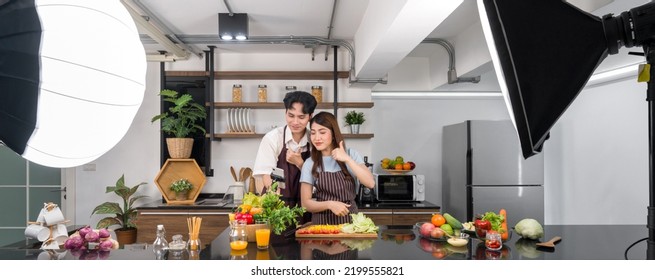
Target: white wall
[
  {"x": 597, "y": 158},
  {"x": 412, "y": 128}
]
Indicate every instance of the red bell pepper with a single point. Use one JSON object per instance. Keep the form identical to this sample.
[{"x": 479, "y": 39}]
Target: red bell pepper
[
  {"x": 247, "y": 217},
  {"x": 481, "y": 227}
]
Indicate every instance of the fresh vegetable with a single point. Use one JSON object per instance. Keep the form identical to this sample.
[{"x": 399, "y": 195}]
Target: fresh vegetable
[
  {"x": 321, "y": 229},
  {"x": 437, "y": 233},
  {"x": 360, "y": 224},
  {"x": 106, "y": 245},
  {"x": 247, "y": 217},
  {"x": 454, "y": 223},
  {"x": 468, "y": 226},
  {"x": 504, "y": 233},
  {"x": 92, "y": 236},
  {"x": 83, "y": 231},
  {"x": 103, "y": 233},
  {"x": 529, "y": 228},
  {"x": 481, "y": 227},
  {"x": 494, "y": 219},
  {"x": 74, "y": 242}
]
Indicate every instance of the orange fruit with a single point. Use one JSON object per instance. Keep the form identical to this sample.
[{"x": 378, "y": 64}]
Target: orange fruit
[
  {"x": 399, "y": 166},
  {"x": 407, "y": 166},
  {"x": 438, "y": 220}
]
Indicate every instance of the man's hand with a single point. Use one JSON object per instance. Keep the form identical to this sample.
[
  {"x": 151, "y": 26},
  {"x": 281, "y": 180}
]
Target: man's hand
[{"x": 294, "y": 158}]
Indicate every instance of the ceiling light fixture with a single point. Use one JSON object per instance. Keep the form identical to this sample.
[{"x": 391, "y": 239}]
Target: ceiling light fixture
[
  {"x": 66, "y": 99},
  {"x": 544, "y": 52},
  {"x": 233, "y": 26}
]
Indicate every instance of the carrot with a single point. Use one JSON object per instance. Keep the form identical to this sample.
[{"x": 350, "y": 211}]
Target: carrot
[{"x": 504, "y": 235}]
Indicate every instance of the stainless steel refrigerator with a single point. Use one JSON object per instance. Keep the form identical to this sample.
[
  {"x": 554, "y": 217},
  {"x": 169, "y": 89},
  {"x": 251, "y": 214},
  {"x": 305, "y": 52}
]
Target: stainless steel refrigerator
[{"x": 483, "y": 170}]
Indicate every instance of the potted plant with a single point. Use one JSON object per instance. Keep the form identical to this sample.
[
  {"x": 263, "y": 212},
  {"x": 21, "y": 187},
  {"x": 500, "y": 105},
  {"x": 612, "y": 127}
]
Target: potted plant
[
  {"x": 123, "y": 216},
  {"x": 354, "y": 119},
  {"x": 181, "y": 188},
  {"x": 180, "y": 122}
]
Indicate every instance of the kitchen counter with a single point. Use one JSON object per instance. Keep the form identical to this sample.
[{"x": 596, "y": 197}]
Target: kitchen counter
[
  {"x": 217, "y": 203},
  {"x": 579, "y": 242}
]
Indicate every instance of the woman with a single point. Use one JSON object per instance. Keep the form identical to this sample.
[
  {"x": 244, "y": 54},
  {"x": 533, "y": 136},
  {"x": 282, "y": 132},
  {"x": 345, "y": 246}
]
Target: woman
[{"x": 332, "y": 170}]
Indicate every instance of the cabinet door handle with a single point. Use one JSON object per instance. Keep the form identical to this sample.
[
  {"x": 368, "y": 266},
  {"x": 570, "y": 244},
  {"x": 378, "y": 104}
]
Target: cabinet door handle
[
  {"x": 412, "y": 213},
  {"x": 164, "y": 213},
  {"x": 208, "y": 213}
]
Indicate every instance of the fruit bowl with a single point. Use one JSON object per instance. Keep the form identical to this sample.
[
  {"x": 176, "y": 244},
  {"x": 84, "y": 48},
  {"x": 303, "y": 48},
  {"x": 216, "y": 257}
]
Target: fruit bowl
[
  {"x": 417, "y": 228},
  {"x": 394, "y": 171}
]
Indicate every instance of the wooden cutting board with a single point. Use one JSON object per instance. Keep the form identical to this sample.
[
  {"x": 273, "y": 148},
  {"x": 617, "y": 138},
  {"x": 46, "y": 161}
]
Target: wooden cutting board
[{"x": 337, "y": 235}]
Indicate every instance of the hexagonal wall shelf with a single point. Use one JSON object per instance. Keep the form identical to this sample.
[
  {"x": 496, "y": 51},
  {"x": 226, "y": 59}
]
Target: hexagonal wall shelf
[{"x": 175, "y": 169}]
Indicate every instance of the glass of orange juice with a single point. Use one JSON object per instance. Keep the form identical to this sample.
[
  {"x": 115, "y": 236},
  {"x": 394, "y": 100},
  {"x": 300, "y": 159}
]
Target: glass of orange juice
[{"x": 262, "y": 235}]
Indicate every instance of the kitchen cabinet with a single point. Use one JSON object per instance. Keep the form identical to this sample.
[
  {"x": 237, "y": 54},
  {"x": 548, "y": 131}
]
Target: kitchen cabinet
[
  {"x": 214, "y": 221},
  {"x": 379, "y": 216},
  {"x": 412, "y": 216}
]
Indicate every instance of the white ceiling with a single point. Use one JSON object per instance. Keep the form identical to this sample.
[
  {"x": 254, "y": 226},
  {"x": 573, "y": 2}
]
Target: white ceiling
[{"x": 312, "y": 18}]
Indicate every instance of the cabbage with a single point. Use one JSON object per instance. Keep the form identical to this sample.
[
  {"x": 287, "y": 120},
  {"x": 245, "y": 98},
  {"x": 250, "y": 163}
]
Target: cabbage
[{"x": 529, "y": 228}]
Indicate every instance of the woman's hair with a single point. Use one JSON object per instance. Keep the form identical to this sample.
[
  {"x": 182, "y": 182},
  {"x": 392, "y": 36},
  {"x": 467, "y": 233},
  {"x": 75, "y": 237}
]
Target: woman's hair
[
  {"x": 307, "y": 100},
  {"x": 330, "y": 122}
]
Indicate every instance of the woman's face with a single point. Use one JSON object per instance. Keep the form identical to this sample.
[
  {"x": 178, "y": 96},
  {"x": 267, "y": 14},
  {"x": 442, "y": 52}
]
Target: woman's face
[
  {"x": 296, "y": 119},
  {"x": 321, "y": 137}
]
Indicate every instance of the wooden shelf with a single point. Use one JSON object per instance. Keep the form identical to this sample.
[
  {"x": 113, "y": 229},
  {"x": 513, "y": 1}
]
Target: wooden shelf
[
  {"x": 220, "y": 136},
  {"x": 175, "y": 169},
  {"x": 262, "y": 75},
  {"x": 280, "y": 105}
]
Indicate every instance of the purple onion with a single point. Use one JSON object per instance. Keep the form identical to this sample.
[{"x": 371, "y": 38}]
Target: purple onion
[
  {"x": 106, "y": 245},
  {"x": 103, "y": 233},
  {"x": 74, "y": 242},
  {"x": 83, "y": 231},
  {"x": 92, "y": 236}
]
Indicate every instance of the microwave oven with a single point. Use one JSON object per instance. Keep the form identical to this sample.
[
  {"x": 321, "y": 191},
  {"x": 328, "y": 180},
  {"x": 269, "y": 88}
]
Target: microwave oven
[{"x": 397, "y": 187}]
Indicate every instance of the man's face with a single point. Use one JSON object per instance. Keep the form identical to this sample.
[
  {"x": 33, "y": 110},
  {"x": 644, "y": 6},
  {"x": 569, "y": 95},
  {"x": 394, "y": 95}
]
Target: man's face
[{"x": 296, "y": 119}]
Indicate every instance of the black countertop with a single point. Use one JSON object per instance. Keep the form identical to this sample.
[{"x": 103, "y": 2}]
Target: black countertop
[
  {"x": 579, "y": 242},
  {"x": 218, "y": 203}
]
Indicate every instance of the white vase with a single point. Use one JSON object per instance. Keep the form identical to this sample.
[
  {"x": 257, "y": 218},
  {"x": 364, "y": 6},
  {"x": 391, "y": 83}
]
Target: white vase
[{"x": 354, "y": 128}]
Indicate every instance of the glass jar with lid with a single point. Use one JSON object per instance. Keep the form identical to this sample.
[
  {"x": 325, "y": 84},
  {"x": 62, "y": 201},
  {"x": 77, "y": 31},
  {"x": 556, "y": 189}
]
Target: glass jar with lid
[
  {"x": 317, "y": 92},
  {"x": 236, "y": 93},
  {"x": 238, "y": 235},
  {"x": 261, "y": 93}
]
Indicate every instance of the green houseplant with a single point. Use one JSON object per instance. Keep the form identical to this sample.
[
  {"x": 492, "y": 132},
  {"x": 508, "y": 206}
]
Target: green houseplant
[
  {"x": 122, "y": 216},
  {"x": 180, "y": 122},
  {"x": 354, "y": 119},
  {"x": 181, "y": 187}
]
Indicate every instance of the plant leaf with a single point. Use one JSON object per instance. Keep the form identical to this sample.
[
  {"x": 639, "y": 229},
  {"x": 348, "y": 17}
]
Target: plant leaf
[
  {"x": 107, "y": 208},
  {"x": 133, "y": 199},
  {"x": 108, "y": 221}
]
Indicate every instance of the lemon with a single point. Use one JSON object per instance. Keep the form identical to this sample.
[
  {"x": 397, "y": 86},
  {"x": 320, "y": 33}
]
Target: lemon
[{"x": 386, "y": 160}]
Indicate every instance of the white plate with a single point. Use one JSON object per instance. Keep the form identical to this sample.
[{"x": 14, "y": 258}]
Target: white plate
[
  {"x": 243, "y": 120},
  {"x": 227, "y": 120},
  {"x": 242, "y": 127},
  {"x": 232, "y": 128},
  {"x": 248, "y": 120}
]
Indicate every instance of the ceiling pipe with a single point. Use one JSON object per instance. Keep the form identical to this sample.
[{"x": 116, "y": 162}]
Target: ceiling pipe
[
  {"x": 452, "y": 73},
  {"x": 334, "y": 9},
  {"x": 229, "y": 10},
  {"x": 166, "y": 32},
  {"x": 290, "y": 40}
]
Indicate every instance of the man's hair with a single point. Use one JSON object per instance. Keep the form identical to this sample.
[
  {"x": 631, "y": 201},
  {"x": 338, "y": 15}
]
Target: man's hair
[{"x": 307, "y": 100}]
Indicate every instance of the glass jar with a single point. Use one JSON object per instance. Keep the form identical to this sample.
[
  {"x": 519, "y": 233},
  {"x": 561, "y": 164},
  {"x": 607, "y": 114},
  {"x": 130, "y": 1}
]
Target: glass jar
[
  {"x": 291, "y": 88},
  {"x": 261, "y": 93},
  {"x": 492, "y": 241},
  {"x": 236, "y": 93},
  {"x": 238, "y": 235},
  {"x": 317, "y": 92}
]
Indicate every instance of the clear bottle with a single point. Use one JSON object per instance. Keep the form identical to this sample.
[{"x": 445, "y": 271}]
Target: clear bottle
[
  {"x": 262, "y": 94},
  {"x": 160, "y": 245}
]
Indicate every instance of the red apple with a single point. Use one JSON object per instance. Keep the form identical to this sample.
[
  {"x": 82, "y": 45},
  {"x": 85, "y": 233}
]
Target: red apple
[
  {"x": 426, "y": 229},
  {"x": 412, "y": 165}
]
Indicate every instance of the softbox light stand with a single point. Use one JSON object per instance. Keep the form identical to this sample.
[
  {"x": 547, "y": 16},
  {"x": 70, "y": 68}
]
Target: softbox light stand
[{"x": 649, "y": 51}]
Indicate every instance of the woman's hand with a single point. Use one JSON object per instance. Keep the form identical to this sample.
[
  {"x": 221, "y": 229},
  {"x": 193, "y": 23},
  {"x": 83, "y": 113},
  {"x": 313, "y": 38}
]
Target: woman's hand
[
  {"x": 339, "y": 208},
  {"x": 339, "y": 154}
]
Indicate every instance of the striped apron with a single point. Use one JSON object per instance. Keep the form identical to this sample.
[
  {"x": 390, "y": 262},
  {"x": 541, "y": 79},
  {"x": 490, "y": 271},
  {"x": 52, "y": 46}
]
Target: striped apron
[{"x": 333, "y": 186}]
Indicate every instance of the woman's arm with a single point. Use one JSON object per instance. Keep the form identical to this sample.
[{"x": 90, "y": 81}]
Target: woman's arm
[
  {"x": 337, "y": 207},
  {"x": 362, "y": 173}
]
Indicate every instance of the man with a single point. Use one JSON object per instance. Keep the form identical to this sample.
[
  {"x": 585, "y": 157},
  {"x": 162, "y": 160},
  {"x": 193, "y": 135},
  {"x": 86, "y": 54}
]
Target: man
[{"x": 286, "y": 147}]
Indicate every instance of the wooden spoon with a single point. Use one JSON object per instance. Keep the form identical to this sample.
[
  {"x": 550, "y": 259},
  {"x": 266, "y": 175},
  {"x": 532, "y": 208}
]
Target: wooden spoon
[
  {"x": 550, "y": 243},
  {"x": 241, "y": 178},
  {"x": 234, "y": 174}
]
